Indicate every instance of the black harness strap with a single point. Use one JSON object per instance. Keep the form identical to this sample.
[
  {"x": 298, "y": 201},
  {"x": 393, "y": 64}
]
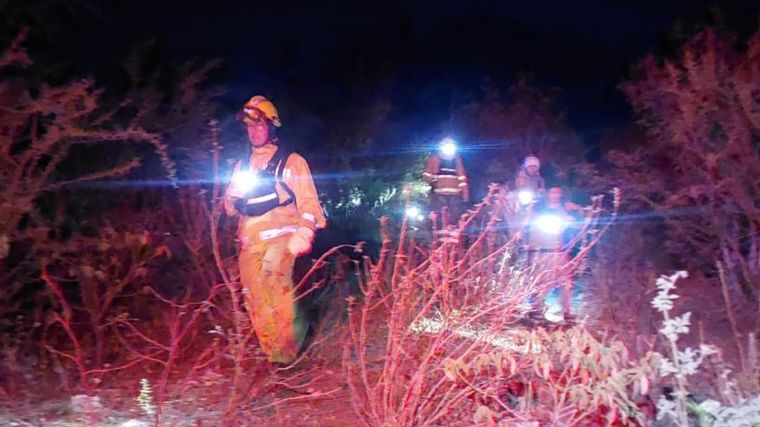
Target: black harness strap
[
  {"x": 277, "y": 163},
  {"x": 263, "y": 198}
]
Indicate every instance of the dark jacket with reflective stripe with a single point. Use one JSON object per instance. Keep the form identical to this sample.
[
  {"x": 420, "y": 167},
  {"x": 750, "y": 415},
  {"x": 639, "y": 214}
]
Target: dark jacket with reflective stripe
[{"x": 446, "y": 176}]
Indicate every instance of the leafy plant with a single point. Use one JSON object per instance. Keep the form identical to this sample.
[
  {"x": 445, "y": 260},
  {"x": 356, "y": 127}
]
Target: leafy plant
[{"x": 432, "y": 339}]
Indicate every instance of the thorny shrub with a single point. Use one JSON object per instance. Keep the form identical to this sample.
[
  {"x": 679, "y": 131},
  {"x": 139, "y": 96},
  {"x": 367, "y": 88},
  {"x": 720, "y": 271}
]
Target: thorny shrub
[
  {"x": 109, "y": 319},
  {"x": 110, "y": 270},
  {"x": 41, "y": 127},
  {"x": 109, "y": 312},
  {"x": 432, "y": 337},
  {"x": 47, "y": 135}
]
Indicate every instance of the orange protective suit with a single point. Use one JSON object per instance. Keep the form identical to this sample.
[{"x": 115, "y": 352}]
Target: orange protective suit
[
  {"x": 450, "y": 192},
  {"x": 266, "y": 263},
  {"x": 446, "y": 176}
]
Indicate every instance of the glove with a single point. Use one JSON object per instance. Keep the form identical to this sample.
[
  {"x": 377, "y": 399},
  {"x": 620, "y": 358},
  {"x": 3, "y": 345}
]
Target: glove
[{"x": 300, "y": 242}]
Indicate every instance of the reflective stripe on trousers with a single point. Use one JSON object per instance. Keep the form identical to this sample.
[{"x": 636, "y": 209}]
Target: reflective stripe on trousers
[
  {"x": 276, "y": 232},
  {"x": 448, "y": 191}
]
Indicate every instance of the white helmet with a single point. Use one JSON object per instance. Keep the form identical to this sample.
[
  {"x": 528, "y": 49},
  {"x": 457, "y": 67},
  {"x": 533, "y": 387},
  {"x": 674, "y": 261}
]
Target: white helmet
[{"x": 531, "y": 161}]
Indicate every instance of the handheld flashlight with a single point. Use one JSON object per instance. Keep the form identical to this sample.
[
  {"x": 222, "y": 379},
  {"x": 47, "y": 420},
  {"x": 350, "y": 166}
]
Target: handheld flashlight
[
  {"x": 525, "y": 197},
  {"x": 550, "y": 224},
  {"x": 414, "y": 213},
  {"x": 448, "y": 147},
  {"x": 245, "y": 181}
]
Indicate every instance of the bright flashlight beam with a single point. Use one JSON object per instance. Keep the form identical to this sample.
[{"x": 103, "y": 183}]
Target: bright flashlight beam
[
  {"x": 245, "y": 180},
  {"x": 550, "y": 224},
  {"x": 414, "y": 213},
  {"x": 448, "y": 147},
  {"x": 525, "y": 197}
]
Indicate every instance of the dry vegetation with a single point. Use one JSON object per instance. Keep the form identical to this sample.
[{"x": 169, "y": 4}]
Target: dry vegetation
[{"x": 138, "y": 320}]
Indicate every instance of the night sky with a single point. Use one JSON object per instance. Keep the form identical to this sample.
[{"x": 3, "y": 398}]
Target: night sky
[{"x": 423, "y": 55}]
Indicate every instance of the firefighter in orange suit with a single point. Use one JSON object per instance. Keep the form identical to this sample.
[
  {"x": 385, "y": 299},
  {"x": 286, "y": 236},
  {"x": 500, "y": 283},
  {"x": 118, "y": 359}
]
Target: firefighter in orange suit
[
  {"x": 445, "y": 173},
  {"x": 273, "y": 193}
]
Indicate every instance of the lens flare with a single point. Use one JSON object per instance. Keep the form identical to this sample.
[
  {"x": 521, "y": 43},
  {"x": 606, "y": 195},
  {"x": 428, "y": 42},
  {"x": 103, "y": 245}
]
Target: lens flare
[
  {"x": 550, "y": 224},
  {"x": 525, "y": 197},
  {"x": 245, "y": 180},
  {"x": 448, "y": 147},
  {"x": 414, "y": 213}
]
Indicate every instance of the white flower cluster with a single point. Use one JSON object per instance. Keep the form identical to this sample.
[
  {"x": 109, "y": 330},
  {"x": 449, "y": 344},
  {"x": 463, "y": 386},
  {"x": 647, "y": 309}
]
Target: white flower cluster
[
  {"x": 663, "y": 302},
  {"x": 685, "y": 362},
  {"x": 676, "y": 326},
  {"x": 666, "y": 408},
  {"x": 145, "y": 399},
  {"x": 746, "y": 414},
  {"x": 688, "y": 359},
  {"x": 681, "y": 363}
]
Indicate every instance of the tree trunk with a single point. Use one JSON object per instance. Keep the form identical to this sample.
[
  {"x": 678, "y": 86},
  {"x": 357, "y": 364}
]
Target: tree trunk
[{"x": 732, "y": 281}]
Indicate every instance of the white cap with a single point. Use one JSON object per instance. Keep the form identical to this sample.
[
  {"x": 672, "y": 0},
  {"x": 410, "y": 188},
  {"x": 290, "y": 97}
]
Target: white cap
[{"x": 531, "y": 161}]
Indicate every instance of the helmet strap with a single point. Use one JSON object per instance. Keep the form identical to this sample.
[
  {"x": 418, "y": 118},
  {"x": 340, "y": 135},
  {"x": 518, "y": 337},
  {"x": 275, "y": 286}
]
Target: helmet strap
[{"x": 272, "y": 133}]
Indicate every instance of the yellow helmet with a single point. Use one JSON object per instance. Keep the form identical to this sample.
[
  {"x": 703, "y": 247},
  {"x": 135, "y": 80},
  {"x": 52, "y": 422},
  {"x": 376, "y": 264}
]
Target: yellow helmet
[{"x": 259, "y": 107}]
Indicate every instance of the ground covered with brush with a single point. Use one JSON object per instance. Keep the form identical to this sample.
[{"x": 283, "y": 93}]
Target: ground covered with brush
[
  {"x": 121, "y": 301},
  {"x": 422, "y": 334}
]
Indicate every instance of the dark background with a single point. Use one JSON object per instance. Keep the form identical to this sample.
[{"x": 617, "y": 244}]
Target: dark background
[
  {"x": 424, "y": 55},
  {"x": 327, "y": 65}
]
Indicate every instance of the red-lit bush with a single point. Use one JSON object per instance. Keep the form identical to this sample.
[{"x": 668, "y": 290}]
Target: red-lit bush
[
  {"x": 435, "y": 340},
  {"x": 698, "y": 164}
]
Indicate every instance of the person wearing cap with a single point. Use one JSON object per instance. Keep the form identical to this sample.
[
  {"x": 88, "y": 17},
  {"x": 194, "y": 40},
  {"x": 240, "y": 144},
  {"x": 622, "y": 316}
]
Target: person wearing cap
[
  {"x": 273, "y": 194},
  {"x": 529, "y": 177},
  {"x": 526, "y": 189}
]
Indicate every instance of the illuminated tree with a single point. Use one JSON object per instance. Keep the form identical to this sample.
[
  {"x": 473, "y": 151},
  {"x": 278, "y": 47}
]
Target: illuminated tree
[{"x": 698, "y": 165}]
